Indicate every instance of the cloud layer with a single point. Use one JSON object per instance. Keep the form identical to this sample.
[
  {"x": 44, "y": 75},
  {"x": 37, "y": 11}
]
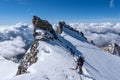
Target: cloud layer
[
  {"x": 12, "y": 47},
  {"x": 15, "y": 39},
  {"x": 101, "y": 33}
]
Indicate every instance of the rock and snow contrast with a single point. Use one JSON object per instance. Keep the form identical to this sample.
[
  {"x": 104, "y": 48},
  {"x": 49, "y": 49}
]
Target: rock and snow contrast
[
  {"x": 101, "y": 34},
  {"x": 112, "y": 48},
  {"x": 49, "y": 57}
]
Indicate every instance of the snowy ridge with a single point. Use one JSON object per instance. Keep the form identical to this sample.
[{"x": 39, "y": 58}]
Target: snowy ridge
[
  {"x": 74, "y": 33},
  {"x": 101, "y": 33},
  {"x": 55, "y": 60},
  {"x": 97, "y": 62},
  {"x": 7, "y": 69}
]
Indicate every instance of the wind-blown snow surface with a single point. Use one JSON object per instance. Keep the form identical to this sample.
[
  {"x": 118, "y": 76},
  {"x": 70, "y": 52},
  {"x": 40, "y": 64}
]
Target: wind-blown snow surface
[
  {"x": 7, "y": 69},
  {"x": 54, "y": 61},
  {"x": 99, "y": 64},
  {"x": 101, "y": 33}
]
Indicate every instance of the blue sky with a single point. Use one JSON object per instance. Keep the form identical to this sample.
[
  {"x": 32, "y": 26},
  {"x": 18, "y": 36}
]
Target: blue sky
[{"x": 14, "y": 11}]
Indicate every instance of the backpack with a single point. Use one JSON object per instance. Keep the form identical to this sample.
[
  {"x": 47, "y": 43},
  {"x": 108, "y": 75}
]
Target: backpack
[{"x": 80, "y": 60}]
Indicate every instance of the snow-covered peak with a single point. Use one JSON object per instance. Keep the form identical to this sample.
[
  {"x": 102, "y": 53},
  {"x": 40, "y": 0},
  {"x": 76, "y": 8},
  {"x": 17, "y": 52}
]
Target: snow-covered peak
[{"x": 54, "y": 60}]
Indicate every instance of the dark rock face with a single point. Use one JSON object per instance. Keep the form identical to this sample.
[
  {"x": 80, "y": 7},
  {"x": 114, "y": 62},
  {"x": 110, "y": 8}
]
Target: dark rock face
[
  {"x": 59, "y": 29},
  {"x": 112, "y": 48},
  {"x": 92, "y": 42},
  {"x": 63, "y": 24},
  {"x": 28, "y": 59},
  {"x": 42, "y": 31},
  {"x": 43, "y": 24}
]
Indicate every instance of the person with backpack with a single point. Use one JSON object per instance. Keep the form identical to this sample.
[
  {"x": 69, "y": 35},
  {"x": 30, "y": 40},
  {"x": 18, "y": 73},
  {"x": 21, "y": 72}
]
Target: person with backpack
[{"x": 80, "y": 62}]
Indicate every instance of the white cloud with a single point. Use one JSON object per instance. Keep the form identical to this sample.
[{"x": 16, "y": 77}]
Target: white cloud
[
  {"x": 12, "y": 48},
  {"x": 111, "y": 3},
  {"x": 101, "y": 33},
  {"x": 15, "y": 39}
]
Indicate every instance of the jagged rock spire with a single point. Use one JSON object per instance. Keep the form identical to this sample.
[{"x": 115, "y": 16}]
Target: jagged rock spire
[
  {"x": 112, "y": 48},
  {"x": 59, "y": 29},
  {"x": 43, "y": 24},
  {"x": 62, "y": 25},
  {"x": 31, "y": 56}
]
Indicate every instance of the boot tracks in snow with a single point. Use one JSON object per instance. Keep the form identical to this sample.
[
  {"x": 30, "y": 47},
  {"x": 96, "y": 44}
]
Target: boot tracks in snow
[{"x": 87, "y": 76}]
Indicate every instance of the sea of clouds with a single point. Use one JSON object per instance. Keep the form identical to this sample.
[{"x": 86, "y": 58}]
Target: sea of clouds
[
  {"x": 101, "y": 33},
  {"x": 15, "y": 39}
]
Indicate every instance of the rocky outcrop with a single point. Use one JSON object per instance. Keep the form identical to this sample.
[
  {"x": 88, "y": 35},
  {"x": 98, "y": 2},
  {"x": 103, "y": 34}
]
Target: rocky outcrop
[
  {"x": 42, "y": 31},
  {"x": 43, "y": 24},
  {"x": 60, "y": 27},
  {"x": 112, "y": 48},
  {"x": 28, "y": 59},
  {"x": 92, "y": 42},
  {"x": 63, "y": 24}
]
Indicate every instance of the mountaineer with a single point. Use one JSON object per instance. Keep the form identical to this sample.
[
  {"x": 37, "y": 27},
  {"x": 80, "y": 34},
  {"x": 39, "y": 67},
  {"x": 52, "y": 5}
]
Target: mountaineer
[{"x": 80, "y": 62}]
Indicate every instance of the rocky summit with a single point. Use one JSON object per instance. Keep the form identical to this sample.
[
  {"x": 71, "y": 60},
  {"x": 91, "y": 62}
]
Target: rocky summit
[
  {"x": 112, "y": 48},
  {"x": 42, "y": 31},
  {"x": 53, "y": 56}
]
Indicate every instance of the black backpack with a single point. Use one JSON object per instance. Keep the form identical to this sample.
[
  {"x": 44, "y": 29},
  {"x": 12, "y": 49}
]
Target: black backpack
[{"x": 80, "y": 60}]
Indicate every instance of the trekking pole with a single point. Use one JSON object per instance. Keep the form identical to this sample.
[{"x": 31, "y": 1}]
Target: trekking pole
[
  {"x": 99, "y": 73},
  {"x": 91, "y": 66}
]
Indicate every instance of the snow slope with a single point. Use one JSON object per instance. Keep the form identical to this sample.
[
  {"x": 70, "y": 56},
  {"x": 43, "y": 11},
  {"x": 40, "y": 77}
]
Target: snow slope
[
  {"x": 102, "y": 33},
  {"x": 54, "y": 61},
  {"x": 7, "y": 69},
  {"x": 50, "y": 66},
  {"x": 99, "y": 64}
]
